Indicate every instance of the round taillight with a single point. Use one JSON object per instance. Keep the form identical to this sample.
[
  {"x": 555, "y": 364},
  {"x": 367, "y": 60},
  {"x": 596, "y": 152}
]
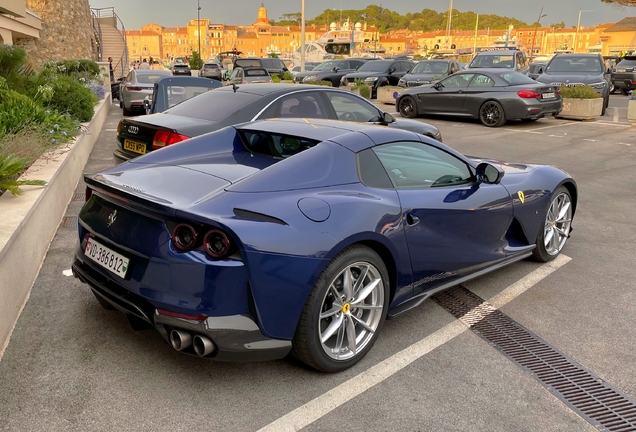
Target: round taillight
[
  {"x": 216, "y": 243},
  {"x": 184, "y": 237}
]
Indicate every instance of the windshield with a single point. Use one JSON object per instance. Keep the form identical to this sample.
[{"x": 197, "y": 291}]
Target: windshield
[
  {"x": 326, "y": 66},
  {"x": 626, "y": 64},
  {"x": 214, "y": 106},
  {"x": 429, "y": 67},
  {"x": 493, "y": 61},
  {"x": 575, "y": 64},
  {"x": 247, "y": 62},
  {"x": 375, "y": 66},
  {"x": 211, "y": 66},
  {"x": 515, "y": 78}
]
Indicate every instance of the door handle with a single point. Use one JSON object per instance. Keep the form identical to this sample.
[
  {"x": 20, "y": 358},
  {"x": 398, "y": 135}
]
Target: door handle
[{"x": 412, "y": 220}]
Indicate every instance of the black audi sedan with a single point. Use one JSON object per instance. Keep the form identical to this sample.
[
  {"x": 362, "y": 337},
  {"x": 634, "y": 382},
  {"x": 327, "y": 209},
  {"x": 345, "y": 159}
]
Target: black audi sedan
[
  {"x": 230, "y": 105},
  {"x": 493, "y": 96},
  {"x": 379, "y": 73}
]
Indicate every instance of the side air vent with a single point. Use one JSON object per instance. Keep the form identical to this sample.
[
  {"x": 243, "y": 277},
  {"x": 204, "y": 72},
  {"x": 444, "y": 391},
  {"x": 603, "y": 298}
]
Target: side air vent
[{"x": 247, "y": 214}]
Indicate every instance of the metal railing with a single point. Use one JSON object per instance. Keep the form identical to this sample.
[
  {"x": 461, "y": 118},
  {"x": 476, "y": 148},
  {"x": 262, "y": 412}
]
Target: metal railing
[
  {"x": 120, "y": 68},
  {"x": 97, "y": 30}
]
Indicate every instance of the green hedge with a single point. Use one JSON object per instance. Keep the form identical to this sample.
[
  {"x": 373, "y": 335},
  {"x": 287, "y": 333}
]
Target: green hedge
[
  {"x": 580, "y": 92},
  {"x": 72, "y": 98}
]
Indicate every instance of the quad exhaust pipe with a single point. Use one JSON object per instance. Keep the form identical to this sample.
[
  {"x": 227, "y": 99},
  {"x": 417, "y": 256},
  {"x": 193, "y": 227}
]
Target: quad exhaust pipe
[
  {"x": 203, "y": 346},
  {"x": 180, "y": 339}
]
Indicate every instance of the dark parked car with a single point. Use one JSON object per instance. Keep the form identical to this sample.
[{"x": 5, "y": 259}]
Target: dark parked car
[
  {"x": 332, "y": 70},
  {"x": 299, "y": 236},
  {"x": 181, "y": 69},
  {"x": 379, "y": 73},
  {"x": 493, "y": 96},
  {"x": 624, "y": 74},
  {"x": 579, "y": 69},
  {"x": 428, "y": 71},
  {"x": 535, "y": 69},
  {"x": 274, "y": 66},
  {"x": 505, "y": 59},
  {"x": 171, "y": 90},
  {"x": 231, "y": 105}
]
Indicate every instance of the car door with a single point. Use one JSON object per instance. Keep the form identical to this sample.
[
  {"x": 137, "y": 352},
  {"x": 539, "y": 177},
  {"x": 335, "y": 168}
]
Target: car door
[
  {"x": 447, "y": 96},
  {"x": 480, "y": 88},
  {"x": 348, "y": 107},
  {"x": 453, "y": 224}
]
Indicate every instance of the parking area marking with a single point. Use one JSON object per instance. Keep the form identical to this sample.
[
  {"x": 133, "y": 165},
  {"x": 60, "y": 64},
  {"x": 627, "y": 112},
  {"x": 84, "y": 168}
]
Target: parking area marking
[
  {"x": 111, "y": 130},
  {"x": 338, "y": 396},
  {"x": 524, "y": 131},
  {"x": 626, "y": 144},
  {"x": 590, "y": 140},
  {"x": 556, "y": 136}
]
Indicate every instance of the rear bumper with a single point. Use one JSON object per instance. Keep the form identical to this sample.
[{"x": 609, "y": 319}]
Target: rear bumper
[
  {"x": 533, "y": 109},
  {"x": 235, "y": 337},
  {"x": 625, "y": 81}
]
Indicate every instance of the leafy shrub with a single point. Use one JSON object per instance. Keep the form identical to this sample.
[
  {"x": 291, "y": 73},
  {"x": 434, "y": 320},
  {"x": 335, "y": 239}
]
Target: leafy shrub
[
  {"x": 72, "y": 67},
  {"x": 287, "y": 76},
  {"x": 321, "y": 83},
  {"x": 18, "y": 112},
  {"x": 72, "y": 98},
  {"x": 580, "y": 92},
  {"x": 195, "y": 62},
  {"x": 365, "y": 91},
  {"x": 10, "y": 167},
  {"x": 12, "y": 59},
  {"x": 275, "y": 78}
]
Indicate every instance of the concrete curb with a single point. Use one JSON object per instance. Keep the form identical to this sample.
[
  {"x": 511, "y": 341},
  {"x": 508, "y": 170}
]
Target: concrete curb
[{"x": 30, "y": 221}]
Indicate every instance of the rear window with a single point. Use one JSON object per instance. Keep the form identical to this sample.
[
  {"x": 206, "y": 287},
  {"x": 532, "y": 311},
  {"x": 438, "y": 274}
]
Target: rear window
[
  {"x": 255, "y": 72},
  {"x": 211, "y": 66},
  {"x": 248, "y": 63},
  {"x": 214, "y": 106},
  {"x": 149, "y": 79},
  {"x": 515, "y": 78},
  {"x": 273, "y": 144},
  {"x": 181, "y": 66},
  {"x": 626, "y": 63},
  {"x": 177, "y": 94}
]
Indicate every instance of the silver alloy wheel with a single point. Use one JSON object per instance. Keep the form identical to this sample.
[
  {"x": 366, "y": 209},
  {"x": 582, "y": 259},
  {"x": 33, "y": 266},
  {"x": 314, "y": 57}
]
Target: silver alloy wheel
[
  {"x": 351, "y": 310},
  {"x": 557, "y": 224}
]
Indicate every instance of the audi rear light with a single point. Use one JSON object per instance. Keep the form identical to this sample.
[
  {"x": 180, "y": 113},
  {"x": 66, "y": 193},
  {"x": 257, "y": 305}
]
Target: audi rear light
[
  {"x": 119, "y": 126},
  {"x": 166, "y": 138},
  {"x": 88, "y": 194},
  {"x": 528, "y": 94},
  {"x": 131, "y": 88}
]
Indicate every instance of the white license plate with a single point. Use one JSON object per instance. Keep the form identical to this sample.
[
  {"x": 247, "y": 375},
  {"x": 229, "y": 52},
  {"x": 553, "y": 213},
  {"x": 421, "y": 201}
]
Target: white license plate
[
  {"x": 547, "y": 95},
  {"x": 107, "y": 258}
]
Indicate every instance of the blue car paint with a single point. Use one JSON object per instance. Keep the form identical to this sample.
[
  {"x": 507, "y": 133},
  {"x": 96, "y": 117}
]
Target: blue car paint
[{"x": 280, "y": 262}]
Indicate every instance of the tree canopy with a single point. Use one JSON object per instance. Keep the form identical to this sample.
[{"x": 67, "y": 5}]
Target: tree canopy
[{"x": 426, "y": 20}]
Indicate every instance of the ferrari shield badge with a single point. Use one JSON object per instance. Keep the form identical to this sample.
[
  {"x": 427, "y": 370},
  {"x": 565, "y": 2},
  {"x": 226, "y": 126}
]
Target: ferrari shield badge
[{"x": 521, "y": 196}]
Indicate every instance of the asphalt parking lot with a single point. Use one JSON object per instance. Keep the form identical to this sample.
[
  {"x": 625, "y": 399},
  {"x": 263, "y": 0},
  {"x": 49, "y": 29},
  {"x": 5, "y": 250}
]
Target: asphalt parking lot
[{"x": 72, "y": 365}]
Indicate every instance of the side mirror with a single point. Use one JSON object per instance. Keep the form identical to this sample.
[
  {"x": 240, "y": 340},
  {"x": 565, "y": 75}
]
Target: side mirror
[
  {"x": 609, "y": 70},
  {"x": 540, "y": 71},
  {"x": 488, "y": 173},
  {"x": 387, "y": 118},
  {"x": 451, "y": 72},
  {"x": 357, "y": 67},
  {"x": 335, "y": 69},
  {"x": 437, "y": 86},
  {"x": 391, "y": 70}
]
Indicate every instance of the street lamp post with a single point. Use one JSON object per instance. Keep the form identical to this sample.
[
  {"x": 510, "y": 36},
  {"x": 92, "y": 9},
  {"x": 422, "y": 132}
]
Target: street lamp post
[
  {"x": 199, "y": 24},
  {"x": 578, "y": 25},
  {"x": 534, "y": 37},
  {"x": 302, "y": 36}
]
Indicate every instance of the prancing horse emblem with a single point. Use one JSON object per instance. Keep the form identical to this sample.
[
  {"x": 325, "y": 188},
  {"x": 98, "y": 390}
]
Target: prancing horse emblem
[
  {"x": 112, "y": 218},
  {"x": 521, "y": 196}
]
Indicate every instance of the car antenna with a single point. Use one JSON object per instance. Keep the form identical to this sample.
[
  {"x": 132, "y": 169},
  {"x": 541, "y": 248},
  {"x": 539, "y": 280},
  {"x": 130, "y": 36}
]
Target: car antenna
[{"x": 234, "y": 87}]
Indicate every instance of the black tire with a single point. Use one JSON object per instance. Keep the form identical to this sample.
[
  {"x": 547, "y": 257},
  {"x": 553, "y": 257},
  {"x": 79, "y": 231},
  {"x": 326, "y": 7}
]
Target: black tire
[
  {"x": 605, "y": 105},
  {"x": 407, "y": 107},
  {"x": 103, "y": 302},
  {"x": 306, "y": 345},
  {"x": 625, "y": 92},
  {"x": 126, "y": 111},
  {"x": 540, "y": 252},
  {"x": 492, "y": 114}
]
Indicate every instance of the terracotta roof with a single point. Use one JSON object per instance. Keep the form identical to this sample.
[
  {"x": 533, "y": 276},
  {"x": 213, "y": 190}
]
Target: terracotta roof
[
  {"x": 231, "y": 27},
  {"x": 279, "y": 29},
  {"x": 247, "y": 34},
  {"x": 141, "y": 33},
  {"x": 625, "y": 25}
]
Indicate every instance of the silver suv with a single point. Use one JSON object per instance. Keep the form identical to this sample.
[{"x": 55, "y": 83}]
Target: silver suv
[
  {"x": 211, "y": 70},
  {"x": 500, "y": 59}
]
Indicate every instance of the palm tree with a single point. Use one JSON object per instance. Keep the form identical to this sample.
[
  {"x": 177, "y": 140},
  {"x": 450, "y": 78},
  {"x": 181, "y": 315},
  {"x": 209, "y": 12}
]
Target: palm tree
[{"x": 10, "y": 167}]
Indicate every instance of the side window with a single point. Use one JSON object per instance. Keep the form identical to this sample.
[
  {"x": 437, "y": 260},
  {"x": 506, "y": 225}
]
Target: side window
[
  {"x": 267, "y": 64},
  {"x": 352, "y": 108},
  {"x": 304, "y": 104},
  {"x": 521, "y": 60},
  {"x": 343, "y": 65},
  {"x": 355, "y": 63},
  {"x": 414, "y": 165},
  {"x": 405, "y": 66},
  {"x": 371, "y": 171},
  {"x": 481, "y": 81},
  {"x": 457, "y": 81}
]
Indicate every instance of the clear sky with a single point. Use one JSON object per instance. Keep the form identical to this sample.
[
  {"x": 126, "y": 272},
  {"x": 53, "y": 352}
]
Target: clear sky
[{"x": 169, "y": 13}]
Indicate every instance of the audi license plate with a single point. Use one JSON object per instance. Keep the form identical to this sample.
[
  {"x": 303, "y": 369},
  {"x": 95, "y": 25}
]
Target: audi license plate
[
  {"x": 107, "y": 258},
  {"x": 134, "y": 146},
  {"x": 547, "y": 95}
]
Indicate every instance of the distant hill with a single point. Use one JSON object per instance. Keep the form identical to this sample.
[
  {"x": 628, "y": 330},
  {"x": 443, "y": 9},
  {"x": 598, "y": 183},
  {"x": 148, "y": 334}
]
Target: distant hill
[{"x": 426, "y": 20}]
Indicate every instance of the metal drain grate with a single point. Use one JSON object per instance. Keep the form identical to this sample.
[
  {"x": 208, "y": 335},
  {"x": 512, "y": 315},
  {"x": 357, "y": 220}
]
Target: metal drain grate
[
  {"x": 69, "y": 222},
  {"x": 593, "y": 399},
  {"x": 78, "y": 196}
]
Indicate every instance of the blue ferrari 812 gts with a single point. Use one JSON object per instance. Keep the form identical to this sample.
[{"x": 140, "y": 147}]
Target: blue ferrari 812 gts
[{"x": 301, "y": 236}]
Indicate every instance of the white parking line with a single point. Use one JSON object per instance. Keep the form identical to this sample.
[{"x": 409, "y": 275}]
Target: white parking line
[
  {"x": 111, "y": 130},
  {"x": 626, "y": 144},
  {"x": 555, "y": 136},
  {"x": 524, "y": 131},
  {"x": 590, "y": 140},
  {"x": 327, "y": 402}
]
